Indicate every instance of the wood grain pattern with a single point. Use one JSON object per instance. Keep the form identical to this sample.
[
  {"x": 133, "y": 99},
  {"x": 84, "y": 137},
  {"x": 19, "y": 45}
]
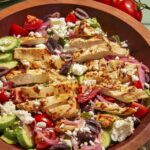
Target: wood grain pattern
[{"x": 112, "y": 20}]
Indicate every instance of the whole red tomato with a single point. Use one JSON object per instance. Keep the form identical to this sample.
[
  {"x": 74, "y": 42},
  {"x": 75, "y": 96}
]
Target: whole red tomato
[
  {"x": 108, "y": 2},
  {"x": 130, "y": 7}
]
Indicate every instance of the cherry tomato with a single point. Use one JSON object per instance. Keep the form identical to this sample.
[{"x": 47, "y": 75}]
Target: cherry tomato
[
  {"x": 110, "y": 99},
  {"x": 44, "y": 118},
  {"x": 3, "y": 96},
  {"x": 71, "y": 18},
  {"x": 44, "y": 138},
  {"x": 137, "y": 84},
  {"x": 130, "y": 7},
  {"x": 141, "y": 110},
  {"x": 108, "y": 2},
  {"x": 32, "y": 23},
  {"x": 17, "y": 30}
]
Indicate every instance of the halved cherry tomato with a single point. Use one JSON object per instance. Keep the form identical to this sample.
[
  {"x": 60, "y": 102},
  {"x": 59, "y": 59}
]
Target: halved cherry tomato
[
  {"x": 3, "y": 96},
  {"x": 137, "y": 84},
  {"x": 110, "y": 99},
  {"x": 32, "y": 23},
  {"x": 71, "y": 18},
  {"x": 18, "y": 30},
  {"x": 141, "y": 110},
  {"x": 44, "y": 118},
  {"x": 45, "y": 138}
]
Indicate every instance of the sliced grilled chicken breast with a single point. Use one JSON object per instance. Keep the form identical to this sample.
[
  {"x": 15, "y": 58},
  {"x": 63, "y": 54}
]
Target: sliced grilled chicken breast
[
  {"x": 28, "y": 77},
  {"x": 33, "y": 40}
]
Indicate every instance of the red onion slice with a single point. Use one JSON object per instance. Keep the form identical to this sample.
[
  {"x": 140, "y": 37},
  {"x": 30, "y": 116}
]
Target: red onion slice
[
  {"x": 53, "y": 15},
  {"x": 3, "y": 71},
  {"x": 81, "y": 14},
  {"x": 141, "y": 74}
]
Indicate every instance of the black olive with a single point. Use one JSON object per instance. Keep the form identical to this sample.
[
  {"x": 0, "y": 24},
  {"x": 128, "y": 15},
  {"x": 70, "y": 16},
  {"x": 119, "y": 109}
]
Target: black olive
[
  {"x": 136, "y": 121},
  {"x": 53, "y": 45},
  {"x": 65, "y": 68},
  {"x": 61, "y": 146},
  {"x": 93, "y": 126},
  {"x": 85, "y": 137}
]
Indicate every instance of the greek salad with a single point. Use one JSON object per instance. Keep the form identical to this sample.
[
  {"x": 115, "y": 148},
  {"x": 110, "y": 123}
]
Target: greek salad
[{"x": 67, "y": 85}]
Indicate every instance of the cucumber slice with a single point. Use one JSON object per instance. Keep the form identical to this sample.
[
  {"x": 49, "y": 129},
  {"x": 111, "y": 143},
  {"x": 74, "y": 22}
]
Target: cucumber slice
[
  {"x": 6, "y": 121},
  {"x": 9, "y": 65},
  {"x": 7, "y": 140},
  {"x": 105, "y": 139},
  {"x": 8, "y": 43},
  {"x": 9, "y": 133},
  {"x": 24, "y": 137},
  {"x": 80, "y": 79},
  {"x": 6, "y": 57}
]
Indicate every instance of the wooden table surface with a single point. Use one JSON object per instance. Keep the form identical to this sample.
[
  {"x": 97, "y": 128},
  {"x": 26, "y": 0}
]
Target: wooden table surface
[{"x": 145, "y": 21}]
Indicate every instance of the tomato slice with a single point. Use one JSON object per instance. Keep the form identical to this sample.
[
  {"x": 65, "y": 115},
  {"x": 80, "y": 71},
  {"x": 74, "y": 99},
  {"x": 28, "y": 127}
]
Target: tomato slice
[
  {"x": 137, "y": 84},
  {"x": 44, "y": 118},
  {"x": 141, "y": 110},
  {"x": 71, "y": 18},
  {"x": 32, "y": 23},
  {"x": 18, "y": 30},
  {"x": 3, "y": 96}
]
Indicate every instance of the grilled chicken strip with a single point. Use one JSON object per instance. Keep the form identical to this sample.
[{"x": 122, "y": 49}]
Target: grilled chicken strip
[
  {"x": 31, "y": 54},
  {"x": 114, "y": 109},
  {"x": 41, "y": 91},
  {"x": 29, "y": 41},
  {"x": 106, "y": 120},
  {"x": 28, "y": 77}
]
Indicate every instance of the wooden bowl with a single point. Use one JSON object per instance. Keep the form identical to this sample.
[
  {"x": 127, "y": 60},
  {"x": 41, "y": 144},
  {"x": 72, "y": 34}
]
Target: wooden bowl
[{"x": 113, "y": 21}]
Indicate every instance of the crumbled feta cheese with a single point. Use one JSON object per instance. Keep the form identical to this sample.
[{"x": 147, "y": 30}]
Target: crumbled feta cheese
[
  {"x": 36, "y": 103},
  {"x": 89, "y": 82},
  {"x": 1, "y": 84},
  {"x": 70, "y": 24},
  {"x": 62, "y": 125},
  {"x": 41, "y": 124},
  {"x": 78, "y": 69},
  {"x": 38, "y": 35},
  {"x": 78, "y": 22},
  {"x": 41, "y": 46},
  {"x": 24, "y": 116},
  {"x": 69, "y": 133},
  {"x": 117, "y": 57},
  {"x": 59, "y": 28},
  {"x": 122, "y": 129},
  {"x": 8, "y": 108},
  {"x": 147, "y": 85},
  {"x": 134, "y": 78},
  {"x": 123, "y": 70},
  {"x": 124, "y": 44},
  {"x": 31, "y": 34}
]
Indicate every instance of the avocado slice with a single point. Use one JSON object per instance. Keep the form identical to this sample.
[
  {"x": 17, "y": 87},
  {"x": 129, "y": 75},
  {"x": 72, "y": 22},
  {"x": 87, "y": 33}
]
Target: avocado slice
[
  {"x": 6, "y": 57},
  {"x": 7, "y": 140},
  {"x": 105, "y": 138},
  {"x": 24, "y": 136},
  {"x": 9, "y": 65},
  {"x": 6, "y": 121}
]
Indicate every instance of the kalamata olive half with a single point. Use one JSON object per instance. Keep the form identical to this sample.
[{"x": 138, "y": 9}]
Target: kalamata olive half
[
  {"x": 53, "y": 46},
  {"x": 65, "y": 69},
  {"x": 93, "y": 126},
  {"x": 85, "y": 137},
  {"x": 61, "y": 146}
]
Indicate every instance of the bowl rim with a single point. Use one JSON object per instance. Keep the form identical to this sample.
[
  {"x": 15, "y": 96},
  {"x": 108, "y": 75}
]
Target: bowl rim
[{"x": 140, "y": 138}]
